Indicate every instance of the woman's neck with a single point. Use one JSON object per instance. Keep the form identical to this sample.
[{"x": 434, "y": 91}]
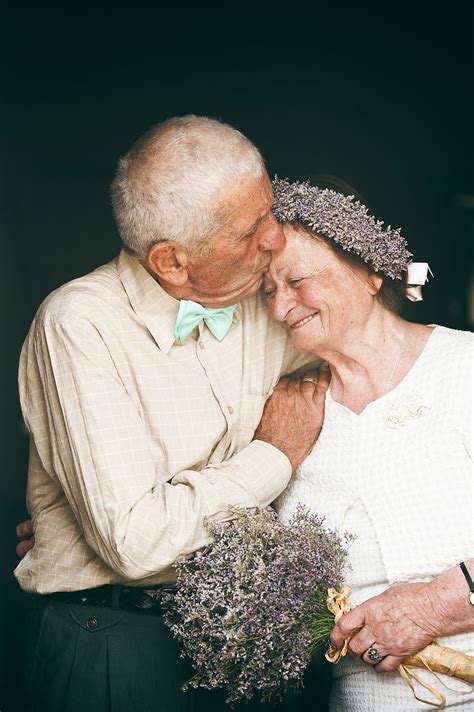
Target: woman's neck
[{"x": 372, "y": 360}]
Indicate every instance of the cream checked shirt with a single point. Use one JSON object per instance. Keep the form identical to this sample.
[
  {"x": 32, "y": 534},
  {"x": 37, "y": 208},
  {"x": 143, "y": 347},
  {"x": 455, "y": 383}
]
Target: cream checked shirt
[{"x": 136, "y": 439}]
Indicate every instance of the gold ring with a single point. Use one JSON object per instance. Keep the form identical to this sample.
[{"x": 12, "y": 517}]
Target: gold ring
[{"x": 310, "y": 380}]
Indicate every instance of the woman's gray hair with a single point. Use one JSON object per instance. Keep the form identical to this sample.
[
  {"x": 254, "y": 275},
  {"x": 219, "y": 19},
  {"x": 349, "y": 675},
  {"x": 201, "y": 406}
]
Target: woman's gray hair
[{"x": 168, "y": 186}]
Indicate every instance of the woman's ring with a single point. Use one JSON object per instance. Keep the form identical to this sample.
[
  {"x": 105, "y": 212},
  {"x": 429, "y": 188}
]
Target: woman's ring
[
  {"x": 374, "y": 654},
  {"x": 310, "y": 380}
]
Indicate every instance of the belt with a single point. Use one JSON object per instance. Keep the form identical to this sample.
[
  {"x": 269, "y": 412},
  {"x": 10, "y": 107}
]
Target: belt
[{"x": 116, "y": 596}]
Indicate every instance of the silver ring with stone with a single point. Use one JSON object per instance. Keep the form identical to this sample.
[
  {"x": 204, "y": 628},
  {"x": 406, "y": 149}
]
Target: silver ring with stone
[{"x": 374, "y": 654}]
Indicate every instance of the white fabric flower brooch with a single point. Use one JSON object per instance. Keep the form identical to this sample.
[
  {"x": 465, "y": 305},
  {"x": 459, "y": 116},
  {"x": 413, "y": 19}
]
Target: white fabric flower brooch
[{"x": 401, "y": 412}]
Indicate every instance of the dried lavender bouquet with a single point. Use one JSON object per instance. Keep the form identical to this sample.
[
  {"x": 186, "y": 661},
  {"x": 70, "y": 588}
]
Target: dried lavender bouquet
[{"x": 250, "y": 609}]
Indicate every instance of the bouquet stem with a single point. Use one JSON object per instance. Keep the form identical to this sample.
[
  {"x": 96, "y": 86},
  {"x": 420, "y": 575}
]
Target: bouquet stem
[{"x": 438, "y": 658}]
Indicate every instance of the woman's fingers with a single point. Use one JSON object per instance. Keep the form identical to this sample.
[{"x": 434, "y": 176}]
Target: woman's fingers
[
  {"x": 25, "y": 529},
  {"x": 24, "y": 547},
  {"x": 324, "y": 378},
  {"x": 350, "y": 624},
  {"x": 361, "y": 642},
  {"x": 389, "y": 663}
]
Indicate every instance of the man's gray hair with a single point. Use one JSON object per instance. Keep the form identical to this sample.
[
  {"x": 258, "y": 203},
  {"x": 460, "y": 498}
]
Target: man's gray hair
[{"x": 167, "y": 187}]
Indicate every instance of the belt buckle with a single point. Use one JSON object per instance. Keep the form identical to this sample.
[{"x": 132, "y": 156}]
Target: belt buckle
[{"x": 139, "y": 598}]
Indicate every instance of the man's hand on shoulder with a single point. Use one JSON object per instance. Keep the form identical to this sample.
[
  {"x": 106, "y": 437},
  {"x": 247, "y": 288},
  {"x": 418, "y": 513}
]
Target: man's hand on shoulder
[
  {"x": 24, "y": 532},
  {"x": 294, "y": 414}
]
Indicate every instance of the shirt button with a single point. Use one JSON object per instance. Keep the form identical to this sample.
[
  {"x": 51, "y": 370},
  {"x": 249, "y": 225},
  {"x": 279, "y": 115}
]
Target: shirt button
[
  {"x": 201, "y": 344},
  {"x": 92, "y": 623},
  {"x": 230, "y": 409}
]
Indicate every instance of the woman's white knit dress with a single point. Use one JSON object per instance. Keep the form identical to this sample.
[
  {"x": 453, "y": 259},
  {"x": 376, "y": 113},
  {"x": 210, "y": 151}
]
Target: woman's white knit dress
[{"x": 400, "y": 477}]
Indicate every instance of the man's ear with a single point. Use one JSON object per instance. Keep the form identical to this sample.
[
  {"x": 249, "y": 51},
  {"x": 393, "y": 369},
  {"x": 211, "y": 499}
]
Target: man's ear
[
  {"x": 374, "y": 282},
  {"x": 168, "y": 262}
]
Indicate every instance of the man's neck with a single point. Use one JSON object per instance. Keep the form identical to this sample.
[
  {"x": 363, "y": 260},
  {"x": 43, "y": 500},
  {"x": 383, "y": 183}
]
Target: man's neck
[{"x": 187, "y": 292}]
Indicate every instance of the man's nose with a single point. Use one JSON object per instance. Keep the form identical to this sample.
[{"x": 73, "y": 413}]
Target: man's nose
[{"x": 272, "y": 237}]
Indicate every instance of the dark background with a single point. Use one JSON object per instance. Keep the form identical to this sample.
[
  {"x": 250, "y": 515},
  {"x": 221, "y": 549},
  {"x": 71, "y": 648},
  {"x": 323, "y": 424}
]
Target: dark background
[{"x": 378, "y": 96}]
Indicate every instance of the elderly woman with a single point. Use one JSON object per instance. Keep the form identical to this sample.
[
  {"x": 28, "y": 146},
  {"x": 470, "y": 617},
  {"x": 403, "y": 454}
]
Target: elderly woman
[{"x": 393, "y": 464}]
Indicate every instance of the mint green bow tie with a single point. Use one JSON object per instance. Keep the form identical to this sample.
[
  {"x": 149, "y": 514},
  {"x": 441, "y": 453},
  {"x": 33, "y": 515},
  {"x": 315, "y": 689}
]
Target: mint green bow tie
[{"x": 190, "y": 314}]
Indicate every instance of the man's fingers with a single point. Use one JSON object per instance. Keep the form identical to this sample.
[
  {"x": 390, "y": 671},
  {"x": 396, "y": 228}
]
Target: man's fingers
[
  {"x": 24, "y": 530},
  {"x": 312, "y": 375},
  {"x": 282, "y": 383},
  {"x": 316, "y": 382},
  {"x": 24, "y": 547},
  {"x": 324, "y": 378},
  {"x": 309, "y": 383}
]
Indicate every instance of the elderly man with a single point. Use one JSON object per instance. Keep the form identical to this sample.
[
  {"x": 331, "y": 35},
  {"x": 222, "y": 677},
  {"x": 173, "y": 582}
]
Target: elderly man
[{"x": 142, "y": 385}]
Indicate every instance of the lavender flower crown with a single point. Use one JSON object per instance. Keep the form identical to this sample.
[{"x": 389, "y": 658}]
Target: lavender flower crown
[{"x": 346, "y": 221}]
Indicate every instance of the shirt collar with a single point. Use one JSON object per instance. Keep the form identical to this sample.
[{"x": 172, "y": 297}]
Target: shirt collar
[{"x": 155, "y": 307}]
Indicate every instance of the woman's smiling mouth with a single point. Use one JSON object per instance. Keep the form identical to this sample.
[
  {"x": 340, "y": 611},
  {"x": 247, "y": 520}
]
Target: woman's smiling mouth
[{"x": 303, "y": 321}]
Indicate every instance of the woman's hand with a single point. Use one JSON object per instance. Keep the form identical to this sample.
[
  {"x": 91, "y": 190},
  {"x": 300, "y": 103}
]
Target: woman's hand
[
  {"x": 405, "y": 619},
  {"x": 24, "y": 532},
  {"x": 398, "y": 622}
]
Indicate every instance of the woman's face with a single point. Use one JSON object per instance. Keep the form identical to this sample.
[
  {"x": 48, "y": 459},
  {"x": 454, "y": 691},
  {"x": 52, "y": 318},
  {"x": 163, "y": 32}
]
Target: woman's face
[{"x": 316, "y": 294}]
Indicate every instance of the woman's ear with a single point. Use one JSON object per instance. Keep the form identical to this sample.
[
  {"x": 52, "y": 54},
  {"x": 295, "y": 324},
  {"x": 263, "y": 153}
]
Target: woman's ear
[
  {"x": 374, "y": 282},
  {"x": 167, "y": 261}
]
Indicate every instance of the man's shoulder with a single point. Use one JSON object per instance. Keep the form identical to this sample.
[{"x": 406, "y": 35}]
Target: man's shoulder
[{"x": 95, "y": 293}]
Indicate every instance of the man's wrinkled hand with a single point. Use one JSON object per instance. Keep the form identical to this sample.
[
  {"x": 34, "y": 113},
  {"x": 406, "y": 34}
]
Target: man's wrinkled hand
[
  {"x": 24, "y": 532},
  {"x": 397, "y": 623},
  {"x": 294, "y": 414}
]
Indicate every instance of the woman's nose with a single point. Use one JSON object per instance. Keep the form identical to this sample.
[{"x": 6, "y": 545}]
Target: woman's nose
[{"x": 279, "y": 305}]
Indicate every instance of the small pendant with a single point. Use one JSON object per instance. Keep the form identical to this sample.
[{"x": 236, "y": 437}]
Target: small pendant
[{"x": 471, "y": 598}]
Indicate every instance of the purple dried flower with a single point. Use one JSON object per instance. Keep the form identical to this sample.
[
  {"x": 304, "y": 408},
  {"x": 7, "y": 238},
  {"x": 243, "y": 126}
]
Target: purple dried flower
[
  {"x": 344, "y": 220},
  {"x": 250, "y": 608}
]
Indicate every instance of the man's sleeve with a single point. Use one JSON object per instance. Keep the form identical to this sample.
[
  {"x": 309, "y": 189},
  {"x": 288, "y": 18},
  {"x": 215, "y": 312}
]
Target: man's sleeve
[{"x": 91, "y": 436}]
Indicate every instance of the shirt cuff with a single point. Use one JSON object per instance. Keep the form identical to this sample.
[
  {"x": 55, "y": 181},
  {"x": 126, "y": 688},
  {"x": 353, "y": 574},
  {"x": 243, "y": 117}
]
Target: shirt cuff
[{"x": 264, "y": 471}]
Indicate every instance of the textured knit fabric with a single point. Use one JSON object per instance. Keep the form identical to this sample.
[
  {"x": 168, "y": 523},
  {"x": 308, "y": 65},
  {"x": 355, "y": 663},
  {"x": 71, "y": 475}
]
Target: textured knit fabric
[
  {"x": 398, "y": 476},
  {"x": 136, "y": 439}
]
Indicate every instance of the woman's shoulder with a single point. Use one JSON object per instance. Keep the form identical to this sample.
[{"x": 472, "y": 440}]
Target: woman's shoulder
[
  {"x": 449, "y": 357},
  {"x": 453, "y": 344}
]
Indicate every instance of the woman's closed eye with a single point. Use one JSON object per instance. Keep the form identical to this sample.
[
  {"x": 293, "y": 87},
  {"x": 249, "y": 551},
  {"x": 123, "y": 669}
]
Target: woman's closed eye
[{"x": 295, "y": 282}]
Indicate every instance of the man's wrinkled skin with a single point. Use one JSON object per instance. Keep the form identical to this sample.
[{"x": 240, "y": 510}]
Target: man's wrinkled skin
[{"x": 299, "y": 404}]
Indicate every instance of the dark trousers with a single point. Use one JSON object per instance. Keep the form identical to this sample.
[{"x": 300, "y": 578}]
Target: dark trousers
[{"x": 85, "y": 658}]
